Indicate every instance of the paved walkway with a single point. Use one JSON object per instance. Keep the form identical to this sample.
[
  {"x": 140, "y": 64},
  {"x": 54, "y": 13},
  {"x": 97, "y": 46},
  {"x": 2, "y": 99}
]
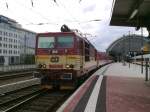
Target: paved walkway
[
  {"x": 126, "y": 90},
  {"x": 113, "y": 88}
]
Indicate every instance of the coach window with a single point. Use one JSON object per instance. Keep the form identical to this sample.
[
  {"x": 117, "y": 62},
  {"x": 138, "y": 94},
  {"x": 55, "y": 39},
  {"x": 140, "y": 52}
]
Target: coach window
[{"x": 46, "y": 42}]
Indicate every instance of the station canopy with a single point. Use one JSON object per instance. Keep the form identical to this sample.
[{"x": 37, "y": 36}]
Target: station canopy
[
  {"x": 126, "y": 44},
  {"x": 134, "y": 13}
]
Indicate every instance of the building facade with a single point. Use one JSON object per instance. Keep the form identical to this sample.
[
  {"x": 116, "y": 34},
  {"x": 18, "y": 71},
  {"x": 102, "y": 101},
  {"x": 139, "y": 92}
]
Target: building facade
[{"x": 16, "y": 43}]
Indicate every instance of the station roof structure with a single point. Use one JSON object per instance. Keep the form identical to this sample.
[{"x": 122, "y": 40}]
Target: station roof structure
[
  {"x": 126, "y": 44},
  {"x": 132, "y": 13}
]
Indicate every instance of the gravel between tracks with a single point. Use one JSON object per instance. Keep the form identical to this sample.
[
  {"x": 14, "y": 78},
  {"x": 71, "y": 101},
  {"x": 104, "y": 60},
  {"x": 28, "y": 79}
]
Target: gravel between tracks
[{"x": 46, "y": 101}]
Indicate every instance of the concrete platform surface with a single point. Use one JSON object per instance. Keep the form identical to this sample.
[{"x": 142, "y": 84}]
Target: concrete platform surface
[
  {"x": 114, "y": 88},
  {"x": 126, "y": 89}
]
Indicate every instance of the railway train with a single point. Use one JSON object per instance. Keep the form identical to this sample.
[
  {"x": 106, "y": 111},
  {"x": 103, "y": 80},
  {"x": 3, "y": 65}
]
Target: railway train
[
  {"x": 64, "y": 58},
  {"x": 138, "y": 59}
]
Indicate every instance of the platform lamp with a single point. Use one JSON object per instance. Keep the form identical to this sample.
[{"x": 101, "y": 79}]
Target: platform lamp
[
  {"x": 123, "y": 51},
  {"x": 139, "y": 25},
  {"x": 142, "y": 60},
  {"x": 129, "y": 49},
  {"x": 142, "y": 49}
]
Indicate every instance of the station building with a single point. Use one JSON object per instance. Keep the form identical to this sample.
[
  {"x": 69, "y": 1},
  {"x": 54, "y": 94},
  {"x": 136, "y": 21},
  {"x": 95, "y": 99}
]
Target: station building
[
  {"x": 16, "y": 43},
  {"x": 129, "y": 46}
]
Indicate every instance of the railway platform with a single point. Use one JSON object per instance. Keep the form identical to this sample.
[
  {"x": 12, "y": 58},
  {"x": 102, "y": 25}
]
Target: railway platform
[{"x": 113, "y": 88}]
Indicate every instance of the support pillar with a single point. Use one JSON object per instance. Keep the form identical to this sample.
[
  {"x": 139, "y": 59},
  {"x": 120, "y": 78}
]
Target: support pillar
[{"x": 148, "y": 29}]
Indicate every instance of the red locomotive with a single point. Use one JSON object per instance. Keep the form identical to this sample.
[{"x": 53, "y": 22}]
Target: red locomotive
[{"x": 64, "y": 58}]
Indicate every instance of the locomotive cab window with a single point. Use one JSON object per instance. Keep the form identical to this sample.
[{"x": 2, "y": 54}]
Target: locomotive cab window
[
  {"x": 65, "y": 42},
  {"x": 46, "y": 42}
]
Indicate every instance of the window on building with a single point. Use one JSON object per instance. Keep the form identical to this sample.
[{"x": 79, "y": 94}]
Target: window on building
[
  {"x": 2, "y": 60},
  {"x": 5, "y": 45},
  {"x": 15, "y": 46},
  {"x": 9, "y": 34},
  {"x": 4, "y": 51},
  {"x": 6, "y": 34},
  {"x": 10, "y": 51}
]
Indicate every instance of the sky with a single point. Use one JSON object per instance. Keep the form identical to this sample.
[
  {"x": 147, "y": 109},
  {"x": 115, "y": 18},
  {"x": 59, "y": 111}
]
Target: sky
[{"x": 49, "y": 15}]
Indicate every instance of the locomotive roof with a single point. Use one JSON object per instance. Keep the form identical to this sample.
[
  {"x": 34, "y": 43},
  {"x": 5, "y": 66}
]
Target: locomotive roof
[
  {"x": 56, "y": 33},
  {"x": 63, "y": 33}
]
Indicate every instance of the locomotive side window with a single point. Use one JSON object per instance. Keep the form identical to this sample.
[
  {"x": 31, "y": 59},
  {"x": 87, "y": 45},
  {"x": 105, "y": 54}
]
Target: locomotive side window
[
  {"x": 87, "y": 52},
  {"x": 65, "y": 42},
  {"x": 46, "y": 42}
]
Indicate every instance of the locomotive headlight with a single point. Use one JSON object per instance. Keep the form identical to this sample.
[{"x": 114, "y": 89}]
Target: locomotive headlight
[
  {"x": 40, "y": 66},
  {"x": 44, "y": 65},
  {"x": 67, "y": 66}
]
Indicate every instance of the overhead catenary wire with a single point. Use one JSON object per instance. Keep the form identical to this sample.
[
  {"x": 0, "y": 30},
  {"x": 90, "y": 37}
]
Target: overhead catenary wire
[
  {"x": 32, "y": 3},
  {"x": 39, "y": 14},
  {"x": 55, "y": 1},
  {"x": 80, "y": 1},
  {"x": 65, "y": 8},
  {"x": 35, "y": 12},
  {"x": 12, "y": 13},
  {"x": 32, "y": 10},
  {"x": 6, "y": 4}
]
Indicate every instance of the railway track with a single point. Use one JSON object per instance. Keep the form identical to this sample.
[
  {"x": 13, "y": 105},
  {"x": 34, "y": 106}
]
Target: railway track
[
  {"x": 12, "y": 78},
  {"x": 8, "y": 100},
  {"x": 14, "y": 75},
  {"x": 37, "y": 101},
  {"x": 32, "y": 99},
  {"x": 4, "y": 98}
]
